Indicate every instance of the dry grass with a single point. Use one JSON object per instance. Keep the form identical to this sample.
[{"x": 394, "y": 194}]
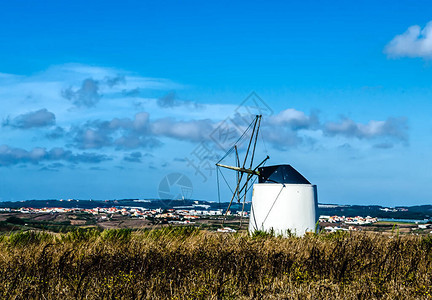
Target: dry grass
[{"x": 185, "y": 263}]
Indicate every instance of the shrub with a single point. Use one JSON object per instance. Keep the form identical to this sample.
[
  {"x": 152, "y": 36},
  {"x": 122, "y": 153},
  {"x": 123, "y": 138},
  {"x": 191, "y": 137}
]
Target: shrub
[
  {"x": 15, "y": 220},
  {"x": 261, "y": 234},
  {"x": 171, "y": 232},
  {"x": 29, "y": 237},
  {"x": 81, "y": 234},
  {"x": 117, "y": 235}
]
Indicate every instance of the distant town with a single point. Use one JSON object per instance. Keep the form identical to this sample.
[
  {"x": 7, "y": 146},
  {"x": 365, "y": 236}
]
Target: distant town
[{"x": 63, "y": 215}]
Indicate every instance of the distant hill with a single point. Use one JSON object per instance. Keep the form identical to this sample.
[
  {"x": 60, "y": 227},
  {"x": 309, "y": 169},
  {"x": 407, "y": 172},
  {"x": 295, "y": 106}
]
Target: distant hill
[
  {"x": 400, "y": 212},
  {"x": 147, "y": 203}
]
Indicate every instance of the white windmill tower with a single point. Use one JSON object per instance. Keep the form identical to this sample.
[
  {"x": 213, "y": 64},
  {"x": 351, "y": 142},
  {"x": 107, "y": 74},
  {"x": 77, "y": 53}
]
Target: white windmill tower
[{"x": 283, "y": 201}]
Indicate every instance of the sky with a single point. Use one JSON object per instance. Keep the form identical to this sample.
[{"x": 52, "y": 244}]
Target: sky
[{"x": 104, "y": 99}]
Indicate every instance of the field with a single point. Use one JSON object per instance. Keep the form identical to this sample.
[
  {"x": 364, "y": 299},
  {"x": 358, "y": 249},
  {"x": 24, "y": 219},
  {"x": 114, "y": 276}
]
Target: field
[{"x": 189, "y": 263}]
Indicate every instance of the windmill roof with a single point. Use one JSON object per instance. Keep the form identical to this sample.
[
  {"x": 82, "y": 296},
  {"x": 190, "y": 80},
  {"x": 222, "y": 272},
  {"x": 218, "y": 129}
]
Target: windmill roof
[{"x": 281, "y": 174}]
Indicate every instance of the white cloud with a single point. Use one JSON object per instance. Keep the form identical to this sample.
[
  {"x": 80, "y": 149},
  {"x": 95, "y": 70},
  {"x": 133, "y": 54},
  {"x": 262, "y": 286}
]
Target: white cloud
[
  {"x": 40, "y": 118},
  {"x": 138, "y": 132},
  {"x": 12, "y": 156},
  {"x": 87, "y": 95},
  {"x": 195, "y": 131},
  {"x": 414, "y": 42},
  {"x": 395, "y": 128},
  {"x": 294, "y": 119}
]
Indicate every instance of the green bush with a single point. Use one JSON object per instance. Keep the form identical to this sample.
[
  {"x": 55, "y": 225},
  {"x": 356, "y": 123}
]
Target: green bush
[
  {"x": 117, "y": 235},
  {"x": 29, "y": 237},
  {"x": 171, "y": 232},
  {"x": 81, "y": 234},
  {"x": 261, "y": 234},
  {"x": 15, "y": 220}
]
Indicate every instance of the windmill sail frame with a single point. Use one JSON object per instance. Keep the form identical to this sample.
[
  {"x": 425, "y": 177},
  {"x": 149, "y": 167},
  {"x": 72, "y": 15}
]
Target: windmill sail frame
[{"x": 246, "y": 169}]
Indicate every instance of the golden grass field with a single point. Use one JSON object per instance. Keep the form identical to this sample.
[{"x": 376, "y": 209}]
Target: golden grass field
[{"x": 188, "y": 263}]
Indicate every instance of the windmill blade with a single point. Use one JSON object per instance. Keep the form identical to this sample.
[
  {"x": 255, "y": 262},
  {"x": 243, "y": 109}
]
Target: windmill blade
[{"x": 243, "y": 167}]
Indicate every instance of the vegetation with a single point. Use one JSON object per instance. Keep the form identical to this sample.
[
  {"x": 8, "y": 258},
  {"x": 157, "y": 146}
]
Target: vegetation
[{"x": 188, "y": 263}]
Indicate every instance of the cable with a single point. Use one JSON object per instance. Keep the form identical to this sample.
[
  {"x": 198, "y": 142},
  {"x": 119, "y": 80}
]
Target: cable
[
  {"x": 254, "y": 219},
  {"x": 262, "y": 138},
  {"x": 283, "y": 185},
  {"x": 226, "y": 182},
  {"x": 232, "y": 148},
  {"x": 218, "y": 186}
]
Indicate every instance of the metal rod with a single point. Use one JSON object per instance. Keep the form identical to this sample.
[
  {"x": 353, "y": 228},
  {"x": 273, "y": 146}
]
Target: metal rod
[
  {"x": 258, "y": 118},
  {"x": 242, "y": 170},
  {"x": 237, "y": 173},
  {"x": 232, "y": 198},
  {"x": 250, "y": 142},
  {"x": 247, "y": 151},
  {"x": 256, "y": 139},
  {"x": 256, "y": 172}
]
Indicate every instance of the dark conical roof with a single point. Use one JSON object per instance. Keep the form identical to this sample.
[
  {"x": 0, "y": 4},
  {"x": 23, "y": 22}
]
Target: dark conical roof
[{"x": 281, "y": 174}]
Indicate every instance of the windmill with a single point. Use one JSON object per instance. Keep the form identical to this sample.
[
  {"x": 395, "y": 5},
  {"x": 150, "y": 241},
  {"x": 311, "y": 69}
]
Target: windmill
[{"x": 283, "y": 202}]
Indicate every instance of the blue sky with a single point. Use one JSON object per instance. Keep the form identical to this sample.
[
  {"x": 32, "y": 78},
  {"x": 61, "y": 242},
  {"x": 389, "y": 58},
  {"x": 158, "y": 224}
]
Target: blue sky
[{"x": 102, "y": 100}]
